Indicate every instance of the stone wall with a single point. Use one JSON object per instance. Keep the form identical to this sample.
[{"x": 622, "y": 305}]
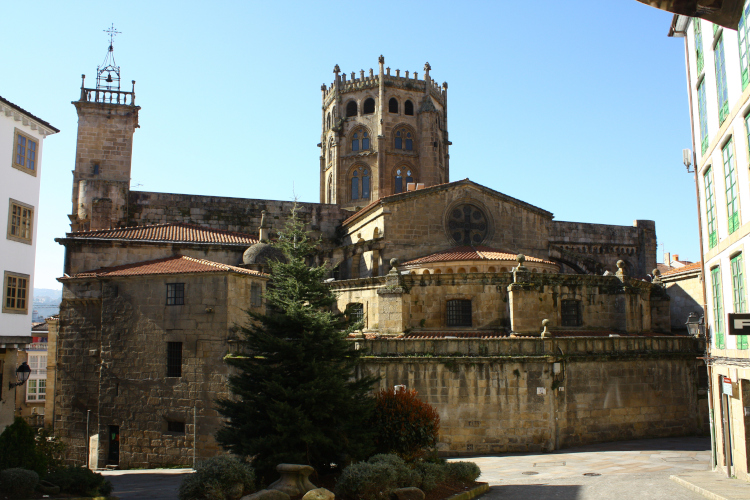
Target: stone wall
[
  {"x": 232, "y": 214},
  {"x": 686, "y": 296},
  {"x": 113, "y": 361},
  {"x": 594, "y": 248},
  {"x": 531, "y": 395}
]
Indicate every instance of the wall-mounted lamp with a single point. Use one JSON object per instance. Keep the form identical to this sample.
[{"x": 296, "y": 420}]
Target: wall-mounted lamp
[{"x": 22, "y": 374}]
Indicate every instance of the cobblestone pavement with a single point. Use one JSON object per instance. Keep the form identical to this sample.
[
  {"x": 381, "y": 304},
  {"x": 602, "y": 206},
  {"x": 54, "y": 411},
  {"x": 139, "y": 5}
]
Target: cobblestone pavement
[{"x": 617, "y": 471}]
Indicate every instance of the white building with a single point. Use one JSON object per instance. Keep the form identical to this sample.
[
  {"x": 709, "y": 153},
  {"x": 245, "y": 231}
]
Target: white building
[
  {"x": 719, "y": 101},
  {"x": 21, "y": 141}
]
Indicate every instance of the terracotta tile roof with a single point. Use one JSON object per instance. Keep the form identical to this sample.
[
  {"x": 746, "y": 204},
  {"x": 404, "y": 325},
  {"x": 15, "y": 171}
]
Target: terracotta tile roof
[
  {"x": 176, "y": 232},
  {"x": 39, "y": 327},
  {"x": 676, "y": 270},
  {"x": 171, "y": 265},
  {"x": 471, "y": 253},
  {"x": 21, "y": 110}
]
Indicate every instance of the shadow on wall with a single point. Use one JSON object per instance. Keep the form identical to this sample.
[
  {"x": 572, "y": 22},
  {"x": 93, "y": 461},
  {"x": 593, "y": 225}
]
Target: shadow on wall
[{"x": 680, "y": 307}]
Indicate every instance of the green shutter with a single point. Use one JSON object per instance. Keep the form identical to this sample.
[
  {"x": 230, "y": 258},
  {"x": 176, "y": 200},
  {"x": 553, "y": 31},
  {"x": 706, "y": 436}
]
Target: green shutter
[{"x": 718, "y": 308}]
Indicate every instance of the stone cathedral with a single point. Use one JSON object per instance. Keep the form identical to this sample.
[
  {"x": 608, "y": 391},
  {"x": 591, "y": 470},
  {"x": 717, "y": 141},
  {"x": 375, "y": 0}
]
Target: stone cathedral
[{"x": 156, "y": 284}]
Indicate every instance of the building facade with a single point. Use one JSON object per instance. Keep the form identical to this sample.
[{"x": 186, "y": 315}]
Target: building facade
[
  {"x": 411, "y": 253},
  {"x": 21, "y": 144},
  {"x": 717, "y": 61}
]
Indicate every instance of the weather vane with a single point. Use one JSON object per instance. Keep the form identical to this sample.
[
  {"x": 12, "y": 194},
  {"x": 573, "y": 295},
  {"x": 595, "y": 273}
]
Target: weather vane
[{"x": 111, "y": 31}]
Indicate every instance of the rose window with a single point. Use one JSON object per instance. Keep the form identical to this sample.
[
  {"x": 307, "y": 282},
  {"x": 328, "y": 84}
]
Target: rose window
[{"x": 467, "y": 225}]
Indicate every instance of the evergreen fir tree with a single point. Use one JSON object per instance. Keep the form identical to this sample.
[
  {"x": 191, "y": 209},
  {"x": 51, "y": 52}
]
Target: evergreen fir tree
[{"x": 296, "y": 396}]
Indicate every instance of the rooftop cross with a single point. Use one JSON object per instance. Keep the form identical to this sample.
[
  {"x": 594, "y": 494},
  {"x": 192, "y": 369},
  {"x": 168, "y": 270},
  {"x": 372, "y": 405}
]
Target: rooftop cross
[{"x": 112, "y": 32}]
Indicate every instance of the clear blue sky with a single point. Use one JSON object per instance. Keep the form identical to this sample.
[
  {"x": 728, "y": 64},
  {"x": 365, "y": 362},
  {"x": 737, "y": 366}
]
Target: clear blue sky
[{"x": 577, "y": 107}]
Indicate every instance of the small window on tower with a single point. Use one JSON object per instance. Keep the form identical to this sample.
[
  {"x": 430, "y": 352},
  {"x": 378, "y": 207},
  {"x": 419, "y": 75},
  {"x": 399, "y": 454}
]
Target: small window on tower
[
  {"x": 355, "y": 142},
  {"x": 399, "y": 140},
  {"x": 408, "y": 142},
  {"x": 355, "y": 185},
  {"x": 351, "y": 109},
  {"x": 369, "y": 107},
  {"x": 393, "y": 105},
  {"x": 409, "y": 108},
  {"x": 365, "y": 141}
]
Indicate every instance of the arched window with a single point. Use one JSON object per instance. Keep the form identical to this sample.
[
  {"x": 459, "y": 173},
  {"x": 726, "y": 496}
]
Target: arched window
[
  {"x": 369, "y": 107},
  {"x": 409, "y": 108},
  {"x": 360, "y": 184},
  {"x": 403, "y": 140},
  {"x": 403, "y": 178},
  {"x": 393, "y": 105},
  {"x": 438, "y": 271},
  {"x": 328, "y": 121},
  {"x": 329, "y": 195},
  {"x": 491, "y": 269},
  {"x": 360, "y": 138},
  {"x": 351, "y": 109},
  {"x": 426, "y": 271}
]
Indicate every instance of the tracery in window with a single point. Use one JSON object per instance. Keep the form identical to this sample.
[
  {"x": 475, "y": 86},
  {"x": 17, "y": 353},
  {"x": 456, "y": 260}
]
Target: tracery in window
[
  {"x": 409, "y": 108},
  {"x": 393, "y": 105},
  {"x": 402, "y": 179},
  {"x": 403, "y": 140},
  {"x": 369, "y": 106},
  {"x": 360, "y": 184},
  {"x": 360, "y": 140}
]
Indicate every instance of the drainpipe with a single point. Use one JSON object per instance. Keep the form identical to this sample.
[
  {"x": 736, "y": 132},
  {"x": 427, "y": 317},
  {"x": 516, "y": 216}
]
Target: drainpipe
[{"x": 683, "y": 34}]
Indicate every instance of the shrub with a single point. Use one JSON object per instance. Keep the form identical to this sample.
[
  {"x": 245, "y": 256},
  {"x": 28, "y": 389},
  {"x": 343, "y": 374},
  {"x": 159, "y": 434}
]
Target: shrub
[
  {"x": 18, "y": 483},
  {"x": 405, "y": 475},
  {"x": 431, "y": 474},
  {"x": 18, "y": 448},
  {"x": 80, "y": 481},
  {"x": 404, "y": 424},
  {"x": 50, "y": 446},
  {"x": 213, "y": 478},
  {"x": 367, "y": 481},
  {"x": 463, "y": 471}
]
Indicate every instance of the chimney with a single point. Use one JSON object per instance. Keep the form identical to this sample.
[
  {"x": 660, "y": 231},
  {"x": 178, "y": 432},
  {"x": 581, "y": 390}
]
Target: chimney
[
  {"x": 667, "y": 258},
  {"x": 675, "y": 257}
]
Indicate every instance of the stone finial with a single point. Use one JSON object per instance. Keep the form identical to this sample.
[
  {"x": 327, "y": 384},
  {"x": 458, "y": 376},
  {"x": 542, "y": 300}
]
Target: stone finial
[
  {"x": 323, "y": 87},
  {"x": 398, "y": 72},
  {"x": 336, "y": 69},
  {"x": 620, "y": 264},
  {"x": 406, "y": 73},
  {"x": 353, "y": 73},
  {"x": 394, "y": 262},
  {"x": 371, "y": 73},
  {"x": 657, "y": 277},
  {"x": 388, "y": 71},
  {"x": 545, "y": 333},
  {"x": 427, "y": 68},
  {"x": 521, "y": 258},
  {"x": 264, "y": 229},
  {"x": 621, "y": 270},
  {"x": 381, "y": 59}
]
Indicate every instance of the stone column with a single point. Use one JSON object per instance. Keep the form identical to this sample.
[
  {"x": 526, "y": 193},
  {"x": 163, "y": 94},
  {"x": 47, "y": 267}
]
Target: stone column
[{"x": 390, "y": 302}]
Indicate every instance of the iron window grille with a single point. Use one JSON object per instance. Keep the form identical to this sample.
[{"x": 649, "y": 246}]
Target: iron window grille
[
  {"x": 570, "y": 313},
  {"x": 356, "y": 313},
  {"x": 174, "y": 359},
  {"x": 459, "y": 312},
  {"x": 175, "y": 294}
]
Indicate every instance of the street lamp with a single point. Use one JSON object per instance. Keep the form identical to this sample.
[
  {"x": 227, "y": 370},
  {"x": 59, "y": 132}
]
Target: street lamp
[
  {"x": 22, "y": 374},
  {"x": 695, "y": 325}
]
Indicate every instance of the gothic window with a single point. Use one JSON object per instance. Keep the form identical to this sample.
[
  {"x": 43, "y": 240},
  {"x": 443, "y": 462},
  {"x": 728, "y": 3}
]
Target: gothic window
[
  {"x": 360, "y": 138},
  {"x": 393, "y": 105},
  {"x": 467, "y": 225},
  {"x": 459, "y": 312},
  {"x": 409, "y": 108},
  {"x": 403, "y": 140},
  {"x": 369, "y": 106},
  {"x": 360, "y": 184},
  {"x": 351, "y": 109},
  {"x": 403, "y": 178},
  {"x": 329, "y": 192},
  {"x": 328, "y": 121}
]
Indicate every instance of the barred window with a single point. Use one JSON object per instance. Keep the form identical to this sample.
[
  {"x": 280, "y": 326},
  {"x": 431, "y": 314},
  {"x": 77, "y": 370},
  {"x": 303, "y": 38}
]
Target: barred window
[
  {"x": 571, "y": 313},
  {"x": 356, "y": 312},
  {"x": 174, "y": 359},
  {"x": 175, "y": 426},
  {"x": 175, "y": 294},
  {"x": 459, "y": 312},
  {"x": 255, "y": 295}
]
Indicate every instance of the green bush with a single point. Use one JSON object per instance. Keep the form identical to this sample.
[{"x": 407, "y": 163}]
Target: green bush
[
  {"x": 463, "y": 471},
  {"x": 80, "y": 481},
  {"x": 405, "y": 475},
  {"x": 367, "y": 481},
  {"x": 404, "y": 424},
  {"x": 214, "y": 478},
  {"x": 18, "y": 448},
  {"x": 50, "y": 446},
  {"x": 18, "y": 483},
  {"x": 431, "y": 474}
]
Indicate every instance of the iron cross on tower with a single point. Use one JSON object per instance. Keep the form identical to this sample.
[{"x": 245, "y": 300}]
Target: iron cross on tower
[{"x": 112, "y": 32}]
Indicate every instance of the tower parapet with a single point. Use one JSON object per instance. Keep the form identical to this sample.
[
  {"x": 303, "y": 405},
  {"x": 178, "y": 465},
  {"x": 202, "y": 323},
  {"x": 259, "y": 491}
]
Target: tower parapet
[
  {"x": 107, "y": 118},
  {"x": 382, "y": 134}
]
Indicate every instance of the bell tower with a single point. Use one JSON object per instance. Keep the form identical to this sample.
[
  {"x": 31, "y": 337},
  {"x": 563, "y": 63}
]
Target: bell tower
[
  {"x": 382, "y": 134},
  {"x": 107, "y": 118}
]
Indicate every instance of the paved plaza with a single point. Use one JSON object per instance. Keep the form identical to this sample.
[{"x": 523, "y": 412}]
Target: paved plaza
[{"x": 612, "y": 471}]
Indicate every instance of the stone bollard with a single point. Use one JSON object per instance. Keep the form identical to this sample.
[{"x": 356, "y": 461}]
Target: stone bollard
[
  {"x": 294, "y": 479},
  {"x": 546, "y": 333}
]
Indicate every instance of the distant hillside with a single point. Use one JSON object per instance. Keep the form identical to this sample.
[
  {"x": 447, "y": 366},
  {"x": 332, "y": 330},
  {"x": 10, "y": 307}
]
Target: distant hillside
[{"x": 49, "y": 295}]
